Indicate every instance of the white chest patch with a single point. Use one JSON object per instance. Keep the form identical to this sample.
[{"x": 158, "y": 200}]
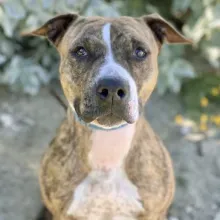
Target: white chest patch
[{"x": 106, "y": 196}]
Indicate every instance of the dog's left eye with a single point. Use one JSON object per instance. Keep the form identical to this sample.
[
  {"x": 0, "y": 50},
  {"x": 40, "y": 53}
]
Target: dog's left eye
[
  {"x": 140, "y": 53},
  {"x": 80, "y": 52}
]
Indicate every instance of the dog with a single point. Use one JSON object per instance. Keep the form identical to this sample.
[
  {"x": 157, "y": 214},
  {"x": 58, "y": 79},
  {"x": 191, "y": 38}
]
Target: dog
[{"x": 106, "y": 163}]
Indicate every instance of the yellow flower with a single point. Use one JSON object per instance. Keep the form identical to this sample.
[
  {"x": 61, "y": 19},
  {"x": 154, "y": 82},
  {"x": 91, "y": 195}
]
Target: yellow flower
[
  {"x": 204, "y": 102},
  {"x": 204, "y": 118},
  {"x": 203, "y": 127},
  {"x": 214, "y": 91},
  {"x": 179, "y": 119},
  {"x": 217, "y": 120}
]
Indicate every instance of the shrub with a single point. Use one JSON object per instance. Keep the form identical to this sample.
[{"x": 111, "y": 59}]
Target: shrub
[{"x": 28, "y": 63}]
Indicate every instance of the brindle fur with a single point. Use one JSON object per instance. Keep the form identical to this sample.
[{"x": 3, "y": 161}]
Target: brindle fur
[{"x": 65, "y": 163}]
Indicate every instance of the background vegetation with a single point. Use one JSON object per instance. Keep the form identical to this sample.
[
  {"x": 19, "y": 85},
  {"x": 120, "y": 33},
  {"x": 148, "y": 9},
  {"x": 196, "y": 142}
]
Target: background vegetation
[{"x": 27, "y": 63}]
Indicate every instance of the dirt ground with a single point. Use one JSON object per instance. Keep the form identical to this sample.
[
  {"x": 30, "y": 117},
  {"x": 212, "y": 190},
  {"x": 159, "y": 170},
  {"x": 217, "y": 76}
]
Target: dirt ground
[{"x": 27, "y": 124}]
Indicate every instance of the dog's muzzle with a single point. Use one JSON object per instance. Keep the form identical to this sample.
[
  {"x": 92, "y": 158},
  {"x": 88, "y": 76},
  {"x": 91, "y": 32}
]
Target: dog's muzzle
[{"x": 112, "y": 100}]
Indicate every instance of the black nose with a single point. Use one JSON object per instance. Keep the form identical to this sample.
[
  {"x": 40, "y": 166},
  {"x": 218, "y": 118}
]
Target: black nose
[{"x": 112, "y": 87}]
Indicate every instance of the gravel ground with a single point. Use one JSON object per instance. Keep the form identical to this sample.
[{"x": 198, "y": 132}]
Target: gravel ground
[{"x": 27, "y": 124}]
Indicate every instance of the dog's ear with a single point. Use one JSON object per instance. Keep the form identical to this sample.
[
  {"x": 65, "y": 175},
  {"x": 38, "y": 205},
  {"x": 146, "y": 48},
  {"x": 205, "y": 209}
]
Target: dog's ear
[
  {"x": 163, "y": 31},
  {"x": 55, "y": 28}
]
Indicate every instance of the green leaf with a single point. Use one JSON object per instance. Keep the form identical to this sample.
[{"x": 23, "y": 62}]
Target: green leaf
[
  {"x": 2, "y": 59},
  {"x": 24, "y": 74},
  {"x": 8, "y": 25},
  {"x": 14, "y": 9},
  {"x": 7, "y": 47},
  {"x": 181, "y": 69},
  {"x": 48, "y": 4},
  {"x": 180, "y": 6},
  {"x": 103, "y": 9}
]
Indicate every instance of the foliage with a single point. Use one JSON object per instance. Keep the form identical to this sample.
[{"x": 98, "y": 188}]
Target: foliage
[
  {"x": 207, "y": 87},
  {"x": 201, "y": 98},
  {"x": 173, "y": 69},
  {"x": 202, "y": 26},
  {"x": 200, "y": 21},
  {"x": 27, "y": 63}
]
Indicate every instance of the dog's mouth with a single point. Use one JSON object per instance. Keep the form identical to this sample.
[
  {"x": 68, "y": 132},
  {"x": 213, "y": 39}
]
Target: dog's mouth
[{"x": 107, "y": 119}]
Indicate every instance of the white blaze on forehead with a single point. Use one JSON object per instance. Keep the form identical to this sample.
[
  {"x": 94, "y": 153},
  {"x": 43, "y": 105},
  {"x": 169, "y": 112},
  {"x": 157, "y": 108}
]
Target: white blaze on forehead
[{"x": 106, "y": 34}]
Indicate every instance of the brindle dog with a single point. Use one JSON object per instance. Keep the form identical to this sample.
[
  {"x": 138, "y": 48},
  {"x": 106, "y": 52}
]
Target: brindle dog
[{"x": 106, "y": 163}]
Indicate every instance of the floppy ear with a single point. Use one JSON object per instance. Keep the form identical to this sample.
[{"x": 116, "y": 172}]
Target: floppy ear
[
  {"x": 163, "y": 31},
  {"x": 55, "y": 28}
]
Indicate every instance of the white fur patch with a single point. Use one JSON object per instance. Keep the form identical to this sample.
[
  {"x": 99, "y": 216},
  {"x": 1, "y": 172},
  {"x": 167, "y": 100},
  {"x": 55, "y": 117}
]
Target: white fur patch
[
  {"x": 106, "y": 35},
  {"x": 106, "y": 195}
]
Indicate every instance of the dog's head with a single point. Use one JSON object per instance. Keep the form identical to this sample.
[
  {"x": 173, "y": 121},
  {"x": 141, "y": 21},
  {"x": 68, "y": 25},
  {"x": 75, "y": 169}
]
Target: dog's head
[{"x": 108, "y": 66}]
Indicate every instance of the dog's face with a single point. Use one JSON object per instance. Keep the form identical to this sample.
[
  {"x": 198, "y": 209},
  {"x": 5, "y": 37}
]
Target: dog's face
[{"x": 108, "y": 66}]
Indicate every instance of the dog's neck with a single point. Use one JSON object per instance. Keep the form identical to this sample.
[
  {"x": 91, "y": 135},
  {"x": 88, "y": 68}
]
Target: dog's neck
[
  {"x": 104, "y": 150},
  {"x": 109, "y": 148}
]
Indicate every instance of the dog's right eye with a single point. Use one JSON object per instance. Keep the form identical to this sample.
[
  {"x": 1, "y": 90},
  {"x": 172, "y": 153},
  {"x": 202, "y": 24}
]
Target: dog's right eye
[
  {"x": 80, "y": 52},
  {"x": 140, "y": 53}
]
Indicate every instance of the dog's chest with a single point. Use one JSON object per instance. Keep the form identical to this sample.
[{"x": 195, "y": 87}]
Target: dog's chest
[{"x": 107, "y": 193}]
